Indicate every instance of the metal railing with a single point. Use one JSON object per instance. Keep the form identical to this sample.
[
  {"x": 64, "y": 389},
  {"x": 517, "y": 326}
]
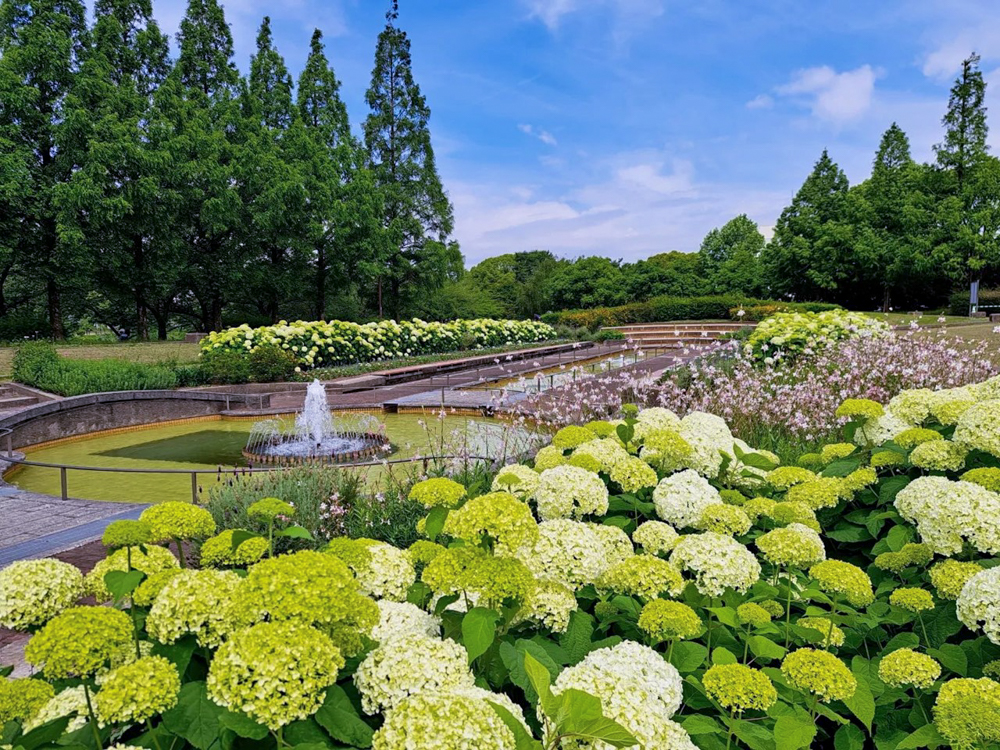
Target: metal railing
[
  {"x": 5, "y": 433},
  {"x": 64, "y": 469}
]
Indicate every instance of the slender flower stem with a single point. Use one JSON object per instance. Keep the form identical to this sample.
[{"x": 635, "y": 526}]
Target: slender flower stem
[
  {"x": 156, "y": 740},
  {"x": 93, "y": 718},
  {"x": 788, "y": 610},
  {"x": 180, "y": 553},
  {"x": 923, "y": 711},
  {"x": 670, "y": 650},
  {"x": 920, "y": 619}
]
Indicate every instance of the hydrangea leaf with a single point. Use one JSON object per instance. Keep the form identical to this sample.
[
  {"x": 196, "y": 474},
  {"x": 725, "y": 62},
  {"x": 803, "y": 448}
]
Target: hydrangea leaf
[
  {"x": 576, "y": 640},
  {"x": 339, "y": 717},
  {"x": 479, "y": 629},
  {"x": 849, "y": 737},
  {"x": 121, "y": 583},
  {"x": 927, "y": 736},
  {"x": 792, "y": 733},
  {"x": 522, "y": 740},
  {"x": 862, "y": 703},
  {"x": 195, "y": 717}
]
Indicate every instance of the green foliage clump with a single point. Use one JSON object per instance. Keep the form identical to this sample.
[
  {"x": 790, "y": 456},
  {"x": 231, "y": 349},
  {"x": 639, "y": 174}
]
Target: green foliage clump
[{"x": 38, "y": 365}]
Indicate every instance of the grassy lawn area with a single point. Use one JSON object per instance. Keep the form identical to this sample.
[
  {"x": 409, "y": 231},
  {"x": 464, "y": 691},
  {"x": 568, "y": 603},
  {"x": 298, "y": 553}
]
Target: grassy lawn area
[
  {"x": 147, "y": 352},
  {"x": 927, "y": 318}
]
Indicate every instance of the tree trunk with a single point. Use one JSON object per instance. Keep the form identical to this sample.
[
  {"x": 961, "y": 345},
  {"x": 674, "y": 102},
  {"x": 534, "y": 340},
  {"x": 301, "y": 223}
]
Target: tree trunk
[
  {"x": 138, "y": 267},
  {"x": 380, "y": 297},
  {"x": 885, "y": 300},
  {"x": 55, "y": 309},
  {"x": 216, "y": 324},
  {"x": 321, "y": 284}
]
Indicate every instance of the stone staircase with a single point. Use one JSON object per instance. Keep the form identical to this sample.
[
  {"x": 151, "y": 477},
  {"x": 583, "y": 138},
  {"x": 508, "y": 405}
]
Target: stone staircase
[
  {"x": 677, "y": 335},
  {"x": 13, "y": 397}
]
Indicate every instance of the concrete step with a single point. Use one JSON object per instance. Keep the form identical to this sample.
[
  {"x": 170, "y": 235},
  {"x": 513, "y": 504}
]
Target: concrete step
[
  {"x": 16, "y": 402},
  {"x": 680, "y": 326}
]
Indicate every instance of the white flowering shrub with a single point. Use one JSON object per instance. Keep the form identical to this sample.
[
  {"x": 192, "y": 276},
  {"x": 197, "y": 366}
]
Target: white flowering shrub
[
  {"x": 644, "y": 582},
  {"x": 785, "y": 335},
  {"x": 324, "y": 343}
]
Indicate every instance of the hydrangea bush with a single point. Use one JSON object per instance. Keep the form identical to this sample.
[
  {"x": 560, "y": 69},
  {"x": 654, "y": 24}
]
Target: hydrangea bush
[
  {"x": 325, "y": 343},
  {"x": 728, "y": 602},
  {"x": 786, "y": 335}
]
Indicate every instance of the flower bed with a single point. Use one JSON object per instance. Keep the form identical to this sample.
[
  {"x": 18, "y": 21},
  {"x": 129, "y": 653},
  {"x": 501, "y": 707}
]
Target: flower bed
[
  {"x": 336, "y": 342},
  {"x": 789, "y": 334},
  {"x": 649, "y": 582}
]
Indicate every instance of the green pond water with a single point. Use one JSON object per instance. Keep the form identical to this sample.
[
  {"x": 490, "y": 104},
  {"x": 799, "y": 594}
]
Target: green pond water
[{"x": 219, "y": 443}]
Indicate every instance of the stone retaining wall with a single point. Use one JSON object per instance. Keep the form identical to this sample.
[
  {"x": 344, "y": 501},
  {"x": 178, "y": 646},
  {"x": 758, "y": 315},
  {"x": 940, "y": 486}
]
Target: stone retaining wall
[{"x": 80, "y": 415}]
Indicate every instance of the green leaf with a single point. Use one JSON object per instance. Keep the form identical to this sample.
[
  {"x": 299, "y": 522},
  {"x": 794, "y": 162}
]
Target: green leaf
[
  {"x": 764, "y": 648},
  {"x": 952, "y": 657},
  {"x": 295, "y": 532},
  {"x": 178, "y": 653},
  {"x": 240, "y": 536},
  {"x": 701, "y": 724},
  {"x": 862, "y": 703},
  {"x": 889, "y": 488},
  {"x": 419, "y": 593},
  {"x": 444, "y": 602},
  {"x": 479, "y": 629},
  {"x": 723, "y": 656},
  {"x": 753, "y": 736},
  {"x": 339, "y": 717},
  {"x": 195, "y": 717},
  {"x": 435, "y": 522},
  {"x": 512, "y": 656},
  {"x": 926, "y": 736},
  {"x": 625, "y": 433},
  {"x": 941, "y": 623},
  {"x": 849, "y": 737},
  {"x": 687, "y": 656},
  {"x": 242, "y": 725},
  {"x": 576, "y": 640},
  {"x": 792, "y": 733},
  {"x": 841, "y": 467},
  {"x": 121, "y": 583},
  {"x": 580, "y": 716},
  {"x": 757, "y": 461},
  {"x": 725, "y": 615},
  {"x": 307, "y": 733},
  {"x": 898, "y": 536},
  {"x": 46, "y": 734},
  {"x": 522, "y": 740},
  {"x": 540, "y": 679}
]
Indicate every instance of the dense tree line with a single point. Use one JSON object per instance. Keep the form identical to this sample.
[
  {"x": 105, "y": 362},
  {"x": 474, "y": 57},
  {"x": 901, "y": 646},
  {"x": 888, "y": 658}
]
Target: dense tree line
[
  {"x": 136, "y": 189},
  {"x": 903, "y": 238}
]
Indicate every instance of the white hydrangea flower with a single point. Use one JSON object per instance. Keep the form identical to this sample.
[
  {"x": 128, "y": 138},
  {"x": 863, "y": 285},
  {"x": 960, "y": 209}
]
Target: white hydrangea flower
[
  {"x": 409, "y": 665},
  {"x": 948, "y": 513},
  {"x": 680, "y": 498},
  {"x": 637, "y": 687},
  {"x": 568, "y": 552},
  {"x": 388, "y": 574},
  {"x": 880, "y": 429},
  {"x": 67, "y": 702},
  {"x": 402, "y": 618},
  {"x": 913, "y": 405},
  {"x": 569, "y": 491},
  {"x": 608, "y": 452},
  {"x": 979, "y": 427},
  {"x": 718, "y": 562},
  {"x": 707, "y": 435},
  {"x": 549, "y": 604},
  {"x": 979, "y": 603},
  {"x": 658, "y": 418},
  {"x": 655, "y": 537},
  {"x": 617, "y": 545},
  {"x": 517, "y": 479}
]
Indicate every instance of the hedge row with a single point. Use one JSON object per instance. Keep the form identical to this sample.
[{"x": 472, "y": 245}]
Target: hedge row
[
  {"x": 662, "y": 309},
  {"x": 39, "y": 365}
]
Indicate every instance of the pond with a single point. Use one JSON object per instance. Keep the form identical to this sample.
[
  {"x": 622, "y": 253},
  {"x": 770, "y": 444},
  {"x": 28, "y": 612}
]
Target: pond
[{"x": 218, "y": 444}]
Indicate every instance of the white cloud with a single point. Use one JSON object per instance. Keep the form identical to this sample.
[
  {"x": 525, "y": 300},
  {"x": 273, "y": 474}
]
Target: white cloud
[
  {"x": 945, "y": 59},
  {"x": 761, "y": 101},
  {"x": 832, "y": 96},
  {"x": 551, "y": 12},
  {"x": 543, "y": 135}
]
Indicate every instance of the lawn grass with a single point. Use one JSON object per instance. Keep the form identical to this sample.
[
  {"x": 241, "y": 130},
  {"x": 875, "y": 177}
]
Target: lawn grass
[
  {"x": 146, "y": 352},
  {"x": 924, "y": 319}
]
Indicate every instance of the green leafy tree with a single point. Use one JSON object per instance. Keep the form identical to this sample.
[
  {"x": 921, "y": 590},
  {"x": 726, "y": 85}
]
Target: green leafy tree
[
  {"x": 417, "y": 213},
  {"x": 811, "y": 255},
  {"x": 116, "y": 206},
  {"x": 968, "y": 209},
  {"x": 343, "y": 224},
  {"x": 730, "y": 257},
  {"x": 42, "y": 44}
]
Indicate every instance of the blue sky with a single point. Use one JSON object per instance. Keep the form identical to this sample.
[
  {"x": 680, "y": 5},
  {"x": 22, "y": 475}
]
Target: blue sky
[{"x": 630, "y": 127}]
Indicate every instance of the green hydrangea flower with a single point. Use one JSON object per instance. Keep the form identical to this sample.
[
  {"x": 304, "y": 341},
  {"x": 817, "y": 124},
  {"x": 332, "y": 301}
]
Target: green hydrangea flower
[
  {"x": 655, "y": 537},
  {"x": 834, "y": 451},
  {"x": 793, "y": 511},
  {"x": 859, "y": 408},
  {"x": 269, "y": 508},
  {"x": 382, "y": 571},
  {"x": 217, "y": 551},
  {"x": 196, "y": 602},
  {"x": 849, "y": 581},
  {"x": 79, "y": 641},
  {"x": 153, "y": 560},
  {"x": 423, "y": 551},
  {"x": 274, "y": 672},
  {"x": 739, "y": 688},
  {"x": 664, "y": 620},
  {"x": 724, "y": 519},
  {"x": 437, "y": 492},
  {"x": 939, "y": 455},
  {"x": 794, "y": 545},
  {"x": 602, "y": 428},
  {"x": 138, "y": 691},
  {"x": 774, "y": 608},
  {"x": 497, "y": 581},
  {"x": 824, "y": 492},
  {"x": 829, "y": 634},
  {"x": 859, "y": 479},
  {"x": 912, "y": 600},
  {"x": 787, "y": 476},
  {"x": 572, "y": 436},
  {"x": 147, "y": 591},
  {"x": 905, "y": 667},
  {"x": 820, "y": 673},
  {"x": 992, "y": 670},
  {"x": 915, "y": 436},
  {"x": 632, "y": 475},
  {"x": 497, "y": 518},
  {"x": 887, "y": 458},
  {"x": 445, "y": 721},
  {"x": 757, "y": 507},
  {"x": 585, "y": 461},
  {"x": 948, "y": 577},
  {"x": 35, "y": 591},
  {"x": 644, "y": 576},
  {"x": 666, "y": 450},
  {"x": 733, "y": 497},
  {"x": 753, "y": 615},
  {"x": 517, "y": 479},
  {"x": 125, "y": 533},
  {"x": 173, "y": 520},
  {"x": 810, "y": 459},
  {"x": 549, "y": 457},
  {"x": 21, "y": 699},
  {"x": 967, "y": 712},
  {"x": 988, "y": 477}
]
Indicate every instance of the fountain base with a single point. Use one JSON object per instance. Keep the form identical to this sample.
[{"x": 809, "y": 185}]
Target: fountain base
[{"x": 344, "y": 448}]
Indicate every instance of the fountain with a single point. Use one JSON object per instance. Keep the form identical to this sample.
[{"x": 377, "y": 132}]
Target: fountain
[{"x": 317, "y": 436}]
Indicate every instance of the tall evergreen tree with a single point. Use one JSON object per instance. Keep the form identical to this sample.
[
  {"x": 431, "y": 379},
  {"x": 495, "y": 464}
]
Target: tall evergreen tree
[
  {"x": 345, "y": 208},
  {"x": 730, "y": 257},
  {"x": 968, "y": 209},
  {"x": 199, "y": 101},
  {"x": 417, "y": 212},
  {"x": 116, "y": 205},
  {"x": 810, "y": 257},
  {"x": 42, "y": 43}
]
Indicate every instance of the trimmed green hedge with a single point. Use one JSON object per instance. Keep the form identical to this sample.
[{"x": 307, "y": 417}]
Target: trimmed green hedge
[
  {"x": 958, "y": 303},
  {"x": 39, "y": 365},
  {"x": 663, "y": 309}
]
